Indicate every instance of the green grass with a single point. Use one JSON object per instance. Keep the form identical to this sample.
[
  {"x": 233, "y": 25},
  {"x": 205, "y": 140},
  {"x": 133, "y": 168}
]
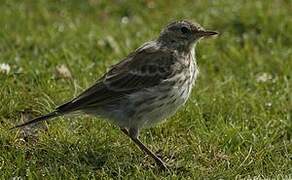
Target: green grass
[{"x": 233, "y": 126}]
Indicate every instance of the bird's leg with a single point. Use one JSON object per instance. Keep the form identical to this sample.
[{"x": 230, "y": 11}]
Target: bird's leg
[{"x": 133, "y": 134}]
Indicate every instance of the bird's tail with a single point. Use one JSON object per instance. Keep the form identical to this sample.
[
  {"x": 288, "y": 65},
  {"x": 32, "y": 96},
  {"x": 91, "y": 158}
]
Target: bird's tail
[{"x": 38, "y": 119}]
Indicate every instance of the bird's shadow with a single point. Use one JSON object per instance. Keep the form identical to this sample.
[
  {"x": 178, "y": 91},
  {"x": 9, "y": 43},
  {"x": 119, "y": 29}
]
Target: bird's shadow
[
  {"x": 93, "y": 155},
  {"x": 87, "y": 159},
  {"x": 95, "y": 159}
]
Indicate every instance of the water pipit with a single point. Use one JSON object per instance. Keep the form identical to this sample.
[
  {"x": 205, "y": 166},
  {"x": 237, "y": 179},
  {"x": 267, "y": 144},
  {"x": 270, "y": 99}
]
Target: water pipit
[{"x": 146, "y": 87}]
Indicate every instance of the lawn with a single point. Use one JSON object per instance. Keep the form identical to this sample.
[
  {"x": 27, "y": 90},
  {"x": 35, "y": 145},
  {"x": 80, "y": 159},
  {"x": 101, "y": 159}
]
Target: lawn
[{"x": 236, "y": 124}]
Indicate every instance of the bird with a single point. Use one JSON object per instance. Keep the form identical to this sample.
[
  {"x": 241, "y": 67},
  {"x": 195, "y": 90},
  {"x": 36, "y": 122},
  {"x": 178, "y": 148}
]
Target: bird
[{"x": 144, "y": 88}]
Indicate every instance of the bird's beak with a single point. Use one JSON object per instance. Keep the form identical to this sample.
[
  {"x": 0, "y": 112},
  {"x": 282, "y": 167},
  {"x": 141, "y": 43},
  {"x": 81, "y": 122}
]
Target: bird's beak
[{"x": 205, "y": 33}]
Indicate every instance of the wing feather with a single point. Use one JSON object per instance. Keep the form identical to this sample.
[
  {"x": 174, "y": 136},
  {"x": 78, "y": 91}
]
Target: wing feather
[{"x": 145, "y": 68}]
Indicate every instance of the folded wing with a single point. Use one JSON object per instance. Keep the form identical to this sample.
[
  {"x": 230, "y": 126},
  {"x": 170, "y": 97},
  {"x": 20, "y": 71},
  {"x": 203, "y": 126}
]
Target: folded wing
[{"x": 145, "y": 68}]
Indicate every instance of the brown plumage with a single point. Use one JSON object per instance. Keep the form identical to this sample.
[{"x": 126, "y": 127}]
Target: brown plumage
[{"x": 146, "y": 87}]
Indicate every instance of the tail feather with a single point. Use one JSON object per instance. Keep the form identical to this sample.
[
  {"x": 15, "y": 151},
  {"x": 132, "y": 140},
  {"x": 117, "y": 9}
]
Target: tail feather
[{"x": 38, "y": 119}]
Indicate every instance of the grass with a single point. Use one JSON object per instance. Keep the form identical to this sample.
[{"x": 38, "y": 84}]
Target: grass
[{"x": 237, "y": 123}]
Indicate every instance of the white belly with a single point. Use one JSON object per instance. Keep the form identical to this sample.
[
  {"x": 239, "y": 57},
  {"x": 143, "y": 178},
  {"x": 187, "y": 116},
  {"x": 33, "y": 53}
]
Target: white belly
[{"x": 169, "y": 107}]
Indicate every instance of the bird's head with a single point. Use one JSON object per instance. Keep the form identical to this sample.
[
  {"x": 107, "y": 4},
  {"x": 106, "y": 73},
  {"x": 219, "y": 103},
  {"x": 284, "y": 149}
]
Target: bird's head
[{"x": 183, "y": 34}]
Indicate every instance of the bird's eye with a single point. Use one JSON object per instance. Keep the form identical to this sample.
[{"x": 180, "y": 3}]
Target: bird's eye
[{"x": 185, "y": 30}]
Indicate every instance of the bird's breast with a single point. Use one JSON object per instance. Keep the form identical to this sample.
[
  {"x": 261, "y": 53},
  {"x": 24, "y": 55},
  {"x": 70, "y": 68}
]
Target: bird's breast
[{"x": 163, "y": 101}]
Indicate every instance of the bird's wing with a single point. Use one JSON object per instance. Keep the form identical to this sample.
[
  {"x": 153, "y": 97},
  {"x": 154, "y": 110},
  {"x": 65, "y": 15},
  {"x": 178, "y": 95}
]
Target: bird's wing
[{"x": 146, "y": 67}]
